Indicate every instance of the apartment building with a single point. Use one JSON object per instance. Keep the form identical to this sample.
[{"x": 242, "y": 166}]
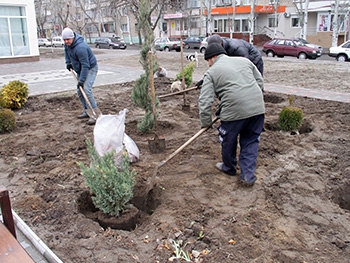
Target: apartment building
[{"x": 255, "y": 21}]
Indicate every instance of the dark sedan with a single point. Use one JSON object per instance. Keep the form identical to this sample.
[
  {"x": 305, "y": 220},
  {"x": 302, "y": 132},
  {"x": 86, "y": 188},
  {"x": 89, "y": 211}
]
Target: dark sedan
[
  {"x": 288, "y": 47},
  {"x": 193, "y": 42},
  {"x": 110, "y": 42}
]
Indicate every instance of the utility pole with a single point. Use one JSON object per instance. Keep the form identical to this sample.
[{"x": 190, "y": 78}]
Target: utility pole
[
  {"x": 233, "y": 18},
  {"x": 251, "y": 22},
  {"x": 303, "y": 32},
  {"x": 335, "y": 25}
]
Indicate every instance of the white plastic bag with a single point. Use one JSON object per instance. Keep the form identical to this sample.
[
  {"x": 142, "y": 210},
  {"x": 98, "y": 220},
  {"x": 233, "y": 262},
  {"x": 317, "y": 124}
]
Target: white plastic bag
[{"x": 109, "y": 134}]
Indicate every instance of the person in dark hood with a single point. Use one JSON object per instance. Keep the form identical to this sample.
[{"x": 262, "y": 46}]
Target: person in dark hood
[
  {"x": 235, "y": 47},
  {"x": 80, "y": 58},
  {"x": 238, "y": 48}
]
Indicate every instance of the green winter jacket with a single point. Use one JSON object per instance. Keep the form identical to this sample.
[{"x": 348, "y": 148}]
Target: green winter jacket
[{"x": 239, "y": 86}]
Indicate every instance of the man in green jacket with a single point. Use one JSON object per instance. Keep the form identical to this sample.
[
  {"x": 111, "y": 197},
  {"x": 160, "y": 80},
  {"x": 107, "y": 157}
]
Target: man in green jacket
[{"x": 238, "y": 85}]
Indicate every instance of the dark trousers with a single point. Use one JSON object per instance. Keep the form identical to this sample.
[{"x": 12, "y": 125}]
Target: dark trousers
[{"x": 249, "y": 131}]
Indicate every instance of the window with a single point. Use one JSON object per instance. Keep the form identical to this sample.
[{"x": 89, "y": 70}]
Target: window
[
  {"x": 237, "y": 26},
  {"x": 245, "y": 25},
  {"x": 177, "y": 24},
  {"x": 295, "y": 21},
  {"x": 13, "y": 31},
  {"x": 165, "y": 27},
  {"x": 125, "y": 27},
  {"x": 124, "y": 11},
  {"x": 195, "y": 22},
  {"x": 272, "y": 22},
  {"x": 193, "y": 3},
  {"x": 109, "y": 27},
  {"x": 222, "y": 25}
]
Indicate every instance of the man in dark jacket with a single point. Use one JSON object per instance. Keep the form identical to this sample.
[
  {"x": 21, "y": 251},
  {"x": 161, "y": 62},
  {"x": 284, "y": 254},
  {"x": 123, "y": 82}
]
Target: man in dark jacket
[
  {"x": 238, "y": 85},
  {"x": 80, "y": 58},
  {"x": 240, "y": 48}
]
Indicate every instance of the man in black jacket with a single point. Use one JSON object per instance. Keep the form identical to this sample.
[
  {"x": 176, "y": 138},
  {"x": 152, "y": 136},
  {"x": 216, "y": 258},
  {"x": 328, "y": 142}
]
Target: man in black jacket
[
  {"x": 240, "y": 48},
  {"x": 235, "y": 47}
]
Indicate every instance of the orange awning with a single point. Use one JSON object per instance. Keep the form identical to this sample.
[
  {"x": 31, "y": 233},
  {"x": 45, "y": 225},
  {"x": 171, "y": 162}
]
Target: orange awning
[{"x": 245, "y": 9}]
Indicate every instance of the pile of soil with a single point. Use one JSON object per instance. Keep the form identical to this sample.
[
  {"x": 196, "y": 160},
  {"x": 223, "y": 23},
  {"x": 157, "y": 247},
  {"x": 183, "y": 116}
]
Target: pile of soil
[{"x": 298, "y": 210}]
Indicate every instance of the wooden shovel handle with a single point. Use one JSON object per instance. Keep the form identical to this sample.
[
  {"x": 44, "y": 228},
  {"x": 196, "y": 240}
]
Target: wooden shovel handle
[
  {"x": 187, "y": 143},
  {"x": 178, "y": 92},
  {"x": 82, "y": 92}
]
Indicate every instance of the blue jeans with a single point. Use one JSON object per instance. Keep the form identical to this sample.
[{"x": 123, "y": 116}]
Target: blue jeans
[
  {"x": 249, "y": 131},
  {"x": 89, "y": 82}
]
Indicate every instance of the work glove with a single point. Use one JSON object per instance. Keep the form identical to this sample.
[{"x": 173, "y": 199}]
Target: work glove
[
  {"x": 69, "y": 67},
  {"x": 199, "y": 84},
  {"x": 80, "y": 84}
]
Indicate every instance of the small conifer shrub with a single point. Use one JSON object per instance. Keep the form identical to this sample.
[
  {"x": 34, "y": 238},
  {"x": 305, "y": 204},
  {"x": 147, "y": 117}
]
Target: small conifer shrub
[
  {"x": 7, "y": 120},
  {"x": 290, "y": 118},
  {"x": 14, "y": 94},
  {"x": 111, "y": 186},
  {"x": 188, "y": 72}
]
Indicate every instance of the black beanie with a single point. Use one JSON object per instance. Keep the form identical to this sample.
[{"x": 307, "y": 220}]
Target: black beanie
[{"x": 214, "y": 49}]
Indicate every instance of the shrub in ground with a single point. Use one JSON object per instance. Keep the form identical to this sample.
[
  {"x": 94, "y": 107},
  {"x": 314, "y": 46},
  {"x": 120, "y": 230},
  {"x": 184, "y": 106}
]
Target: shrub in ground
[
  {"x": 14, "y": 94},
  {"x": 7, "y": 120},
  {"x": 290, "y": 118},
  {"x": 111, "y": 186}
]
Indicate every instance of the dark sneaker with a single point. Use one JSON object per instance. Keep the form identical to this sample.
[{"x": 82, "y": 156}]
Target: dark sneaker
[
  {"x": 91, "y": 121},
  {"x": 83, "y": 116},
  {"x": 245, "y": 184},
  {"x": 219, "y": 167}
]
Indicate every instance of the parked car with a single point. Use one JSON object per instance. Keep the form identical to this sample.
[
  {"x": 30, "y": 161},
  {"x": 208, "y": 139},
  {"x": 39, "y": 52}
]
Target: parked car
[
  {"x": 44, "y": 42},
  {"x": 340, "y": 53},
  {"x": 110, "y": 42},
  {"x": 166, "y": 44},
  {"x": 203, "y": 46},
  {"x": 301, "y": 40},
  {"x": 193, "y": 42},
  {"x": 57, "y": 42},
  {"x": 288, "y": 47}
]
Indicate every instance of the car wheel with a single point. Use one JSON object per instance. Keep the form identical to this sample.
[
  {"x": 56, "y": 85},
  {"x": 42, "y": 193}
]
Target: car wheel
[
  {"x": 341, "y": 58},
  {"x": 98, "y": 46},
  {"x": 202, "y": 50},
  {"x": 166, "y": 49},
  {"x": 270, "y": 53},
  {"x": 302, "y": 56},
  {"x": 187, "y": 46},
  {"x": 110, "y": 47}
]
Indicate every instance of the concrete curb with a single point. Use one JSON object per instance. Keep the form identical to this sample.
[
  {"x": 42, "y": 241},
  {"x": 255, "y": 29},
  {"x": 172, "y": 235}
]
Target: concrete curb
[{"x": 44, "y": 250}]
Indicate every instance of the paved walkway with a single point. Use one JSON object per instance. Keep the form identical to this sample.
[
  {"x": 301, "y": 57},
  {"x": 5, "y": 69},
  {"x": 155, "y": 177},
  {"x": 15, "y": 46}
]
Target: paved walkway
[{"x": 309, "y": 93}]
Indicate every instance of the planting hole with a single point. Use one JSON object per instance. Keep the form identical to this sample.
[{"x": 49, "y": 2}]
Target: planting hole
[
  {"x": 341, "y": 196},
  {"x": 144, "y": 202}
]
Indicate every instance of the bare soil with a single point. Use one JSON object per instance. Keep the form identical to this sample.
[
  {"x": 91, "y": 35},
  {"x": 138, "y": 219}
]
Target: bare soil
[{"x": 298, "y": 210}]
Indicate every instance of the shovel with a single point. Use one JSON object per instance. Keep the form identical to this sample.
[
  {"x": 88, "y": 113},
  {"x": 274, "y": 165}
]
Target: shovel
[
  {"x": 183, "y": 146},
  {"x": 176, "y": 93},
  {"x": 93, "y": 113}
]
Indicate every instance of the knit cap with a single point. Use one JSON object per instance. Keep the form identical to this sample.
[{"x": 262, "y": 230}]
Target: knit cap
[
  {"x": 214, "y": 39},
  {"x": 67, "y": 33},
  {"x": 214, "y": 49}
]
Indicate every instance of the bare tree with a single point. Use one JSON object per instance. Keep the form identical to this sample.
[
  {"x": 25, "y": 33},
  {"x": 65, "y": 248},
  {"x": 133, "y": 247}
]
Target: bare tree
[{"x": 41, "y": 11}]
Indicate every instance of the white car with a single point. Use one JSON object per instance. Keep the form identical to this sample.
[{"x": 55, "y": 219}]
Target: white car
[
  {"x": 44, "y": 42},
  {"x": 204, "y": 45},
  {"x": 57, "y": 42},
  {"x": 340, "y": 53}
]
